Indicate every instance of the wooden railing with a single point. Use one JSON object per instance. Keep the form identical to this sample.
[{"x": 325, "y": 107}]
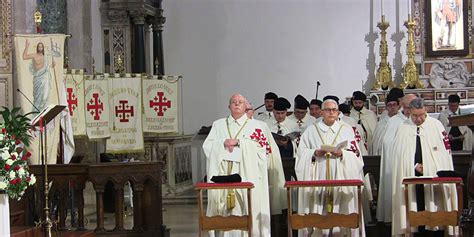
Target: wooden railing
[{"x": 145, "y": 179}]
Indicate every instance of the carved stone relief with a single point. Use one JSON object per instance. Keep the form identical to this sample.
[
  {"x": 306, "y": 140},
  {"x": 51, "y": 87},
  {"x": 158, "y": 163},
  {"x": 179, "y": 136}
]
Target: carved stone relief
[{"x": 449, "y": 74}]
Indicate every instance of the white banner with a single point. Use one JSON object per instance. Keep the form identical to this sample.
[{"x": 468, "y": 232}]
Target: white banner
[
  {"x": 75, "y": 100},
  {"x": 97, "y": 107},
  {"x": 125, "y": 99},
  {"x": 39, "y": 66},
  {"x": 161, "y": 103}
]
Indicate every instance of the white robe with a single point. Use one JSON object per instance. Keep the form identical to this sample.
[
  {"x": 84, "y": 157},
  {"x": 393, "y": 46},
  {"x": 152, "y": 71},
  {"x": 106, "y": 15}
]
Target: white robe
[
  {"x": 286, "y": 127},
  {"x": 358, "y": 131},
  {"x": 312, "y": 200},
  {"x": 369, "y": 121},
  {"x": 264, "y": 116},
  {"x": 379, "y": 133},
  {"x": 252, "y": 167},
  {"x": 276, "y": 176},
  {"x": 307, "y": 121},
  {"x": 444, "y": 119},
  {"x": 436, "y": 156},
  {"x": 384, "y": 198}
]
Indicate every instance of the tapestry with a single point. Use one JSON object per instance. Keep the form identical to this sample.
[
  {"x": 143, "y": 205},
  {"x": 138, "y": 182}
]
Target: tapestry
[
  {"x": 97, "y": 115},
  {"x": 40, "y": 75},
  {"x": 75, "y": 100},
  {"x": 125, "y": 99},
  {"x": 160, "y": 104}
]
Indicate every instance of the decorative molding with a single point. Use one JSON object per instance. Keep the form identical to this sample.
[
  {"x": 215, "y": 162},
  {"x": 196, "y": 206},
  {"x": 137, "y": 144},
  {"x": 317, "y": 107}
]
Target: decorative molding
[
  {"x": 418, "y": 18},
  {"x": 5, "y": 36},
  {"x": 117, "y": 16},
  {"x": 5, "y": 90},
  {"x": 118, "y": 49}
]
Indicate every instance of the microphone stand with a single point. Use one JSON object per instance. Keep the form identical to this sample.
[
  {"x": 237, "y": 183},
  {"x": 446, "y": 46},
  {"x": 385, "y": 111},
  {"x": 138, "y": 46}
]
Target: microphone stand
[{"x": 317, "y": 89}]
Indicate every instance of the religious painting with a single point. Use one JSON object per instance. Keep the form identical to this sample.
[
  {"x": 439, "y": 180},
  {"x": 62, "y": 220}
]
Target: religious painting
[{"x": 446, "y": 28}]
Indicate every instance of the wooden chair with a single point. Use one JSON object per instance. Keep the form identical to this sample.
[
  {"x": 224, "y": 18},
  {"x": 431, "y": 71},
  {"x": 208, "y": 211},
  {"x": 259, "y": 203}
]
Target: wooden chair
[
  {"x": 225, "y": 223},
  {"x": 330, "y": 220},
  {"x": 439, "y": 218}
]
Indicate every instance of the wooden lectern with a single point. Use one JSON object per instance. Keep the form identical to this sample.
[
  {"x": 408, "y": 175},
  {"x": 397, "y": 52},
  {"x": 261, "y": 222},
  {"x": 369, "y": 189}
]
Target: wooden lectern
[{"x": 467, "y": 217}]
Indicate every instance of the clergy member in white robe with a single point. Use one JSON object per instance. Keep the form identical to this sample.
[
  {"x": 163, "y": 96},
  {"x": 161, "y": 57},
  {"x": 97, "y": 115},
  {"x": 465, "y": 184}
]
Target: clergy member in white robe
[
  {"x": 384, "y": 201},
  {"x": 276, "y": 175},
  {"x": 300, "y": 113},
  {"x": 237, "y": 145},
  {"x": 422, "y": 149},
  {"x": 269, "y": 101},
  {"x": 344, "y": 116},
  {"x": 366, "y": 118},
  {"x": 283, "y": 126},
  {"x": 311, "y": 164},
  {"x": 460, "y": 137},
  {"x": 392, "y": 106}
]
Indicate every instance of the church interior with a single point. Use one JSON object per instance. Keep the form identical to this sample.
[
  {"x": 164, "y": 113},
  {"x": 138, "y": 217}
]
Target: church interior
[{"x": 122, "y": 96}]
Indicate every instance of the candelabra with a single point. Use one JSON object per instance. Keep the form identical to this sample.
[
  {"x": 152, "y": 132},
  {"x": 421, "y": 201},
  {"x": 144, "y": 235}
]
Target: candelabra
[
  {"x": 384, "y": 71},
  {"x": 411, "y": 79}
]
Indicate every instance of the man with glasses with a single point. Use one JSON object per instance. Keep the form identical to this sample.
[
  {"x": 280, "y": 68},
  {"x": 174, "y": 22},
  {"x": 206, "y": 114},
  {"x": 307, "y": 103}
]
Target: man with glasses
[
  {"x": 422, "y": 149},
  {"x": 315, "y": 163},
  {"x": 237, "y": 146},
  {"x": 300, "y": 113}
]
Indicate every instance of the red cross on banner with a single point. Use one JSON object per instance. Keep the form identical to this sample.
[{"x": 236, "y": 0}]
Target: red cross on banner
[
  {"x": 71, "y": 101},
  {"x": 160, "y": 103},
  {"x": 123, "y": 111},
  {"x": 95, "y": 106}
]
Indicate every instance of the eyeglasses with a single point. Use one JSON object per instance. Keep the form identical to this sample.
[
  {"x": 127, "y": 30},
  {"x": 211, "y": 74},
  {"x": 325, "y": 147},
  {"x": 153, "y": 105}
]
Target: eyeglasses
[{"x": 331, "y": 110}]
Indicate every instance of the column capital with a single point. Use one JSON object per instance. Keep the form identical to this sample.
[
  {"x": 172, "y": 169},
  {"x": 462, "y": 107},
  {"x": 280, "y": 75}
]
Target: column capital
[
  {"x": 158, "y": 21},
  {"x": 138, "y": 17}
]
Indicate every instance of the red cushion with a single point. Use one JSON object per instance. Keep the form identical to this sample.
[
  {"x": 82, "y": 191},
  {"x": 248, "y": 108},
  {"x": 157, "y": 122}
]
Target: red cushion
[
  {"x": 322, "y": 183},
  {"x": 223, "y": 185}
]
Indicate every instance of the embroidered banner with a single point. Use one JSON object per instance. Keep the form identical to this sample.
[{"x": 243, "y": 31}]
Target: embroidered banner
[
  {"x": 75, "y": 100},
  {"x": 125, "y": 99},
  {"x": 161, "y": 103},
  {"x": 39, "y": 65},
  {"x": 97, "y": 107}
]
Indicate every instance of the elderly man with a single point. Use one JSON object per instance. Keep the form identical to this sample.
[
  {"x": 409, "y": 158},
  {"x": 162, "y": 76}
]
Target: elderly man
[
  {"x": 384, "y": 202},
  {"x": 422, "y": 149},
  {"x": 283, "y": 126},
  {"x": 315, "y": 108},
  {"x": 315, "y": 163},
  {"x": 300, "y": 113},
  {"x": 269, "y": 101},
  {"x": 460, "y": 137},
  {"x": 366, "y": 118},
  {"x": 237, "y": 145}
]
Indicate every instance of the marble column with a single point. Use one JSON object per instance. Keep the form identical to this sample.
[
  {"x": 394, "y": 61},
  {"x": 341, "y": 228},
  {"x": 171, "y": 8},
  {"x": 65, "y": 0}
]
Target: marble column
[
  {"x": 158, "y": 22},
  {"x": 138, "y": 63}
]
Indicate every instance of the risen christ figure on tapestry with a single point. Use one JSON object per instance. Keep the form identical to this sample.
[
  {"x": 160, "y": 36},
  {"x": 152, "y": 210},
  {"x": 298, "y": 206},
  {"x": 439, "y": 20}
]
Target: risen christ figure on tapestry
[
  {"x": 448, "y": 13},
  {"x": 39, "y": 68}
]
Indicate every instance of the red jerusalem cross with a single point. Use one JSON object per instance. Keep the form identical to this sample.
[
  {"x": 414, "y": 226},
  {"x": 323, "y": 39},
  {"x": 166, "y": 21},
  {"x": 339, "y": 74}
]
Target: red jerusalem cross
[
  {"x": 160, "y": 103},
  {"x": 71, "y": 101},
  {"x": 123, "y": 111},
  {"x": 95, "y": 106}
]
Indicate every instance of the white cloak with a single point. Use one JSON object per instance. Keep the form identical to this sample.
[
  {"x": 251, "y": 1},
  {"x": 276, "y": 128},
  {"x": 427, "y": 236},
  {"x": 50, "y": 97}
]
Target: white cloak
[
  {"x": 307, "y": 121},
  {"x": 312, "y": 200},
  {"x": 358, "y": 131},
  {"x": 252, "y": 167},
  {"x": 264, "y": 116},
  {"x": 276, "y": 176},
  {"x": 379, "y": 133},
  {"x": 369, "y": 120},
  {"x": 384, "y": 198},
  {"x": 443, "y": 118},
  {"x": 436, "y": 156}
]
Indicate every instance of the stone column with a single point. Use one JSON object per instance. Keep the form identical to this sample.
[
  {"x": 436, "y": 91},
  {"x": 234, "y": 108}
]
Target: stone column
[
  {"x": 138, "y": 57},
  {"x": 158, "y": 22}
]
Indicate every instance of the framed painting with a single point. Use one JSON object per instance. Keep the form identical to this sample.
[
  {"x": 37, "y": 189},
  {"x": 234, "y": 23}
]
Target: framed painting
[{"x": 446, "y": 28}]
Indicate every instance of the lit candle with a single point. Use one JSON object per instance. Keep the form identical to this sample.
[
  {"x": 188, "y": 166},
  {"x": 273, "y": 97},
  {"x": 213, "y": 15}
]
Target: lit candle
[
  {"x": 409, "y": 7},
  {"x": 381, "y": 6}
]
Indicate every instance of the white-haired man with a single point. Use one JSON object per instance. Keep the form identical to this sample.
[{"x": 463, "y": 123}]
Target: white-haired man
[
  {"x": 312, "y": 164},
  {"x": 237, "y": 145}
]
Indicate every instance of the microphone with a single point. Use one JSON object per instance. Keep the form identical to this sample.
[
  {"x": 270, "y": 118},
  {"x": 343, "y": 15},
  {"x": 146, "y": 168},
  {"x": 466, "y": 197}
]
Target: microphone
[
  {"x": 26, "y": 97},
  {"x": 317, "y": 83}
]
